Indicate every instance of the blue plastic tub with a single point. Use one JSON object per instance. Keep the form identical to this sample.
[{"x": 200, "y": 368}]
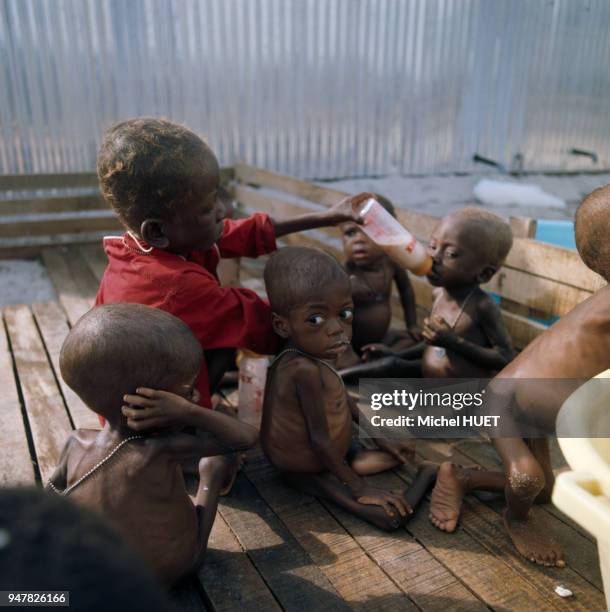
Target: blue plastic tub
[{"x": 560, "y": 233}]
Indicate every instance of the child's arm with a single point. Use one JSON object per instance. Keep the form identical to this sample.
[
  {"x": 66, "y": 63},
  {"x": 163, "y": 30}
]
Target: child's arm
[
  {"x": 157, "y": 410},
  {"x": 437, "y": 332},
  {"x": 338, "y": 213},
  {"x": 376, "y": 350},
  {"x": 310, "y": 396},
  {"x": 407, "y": 299}
]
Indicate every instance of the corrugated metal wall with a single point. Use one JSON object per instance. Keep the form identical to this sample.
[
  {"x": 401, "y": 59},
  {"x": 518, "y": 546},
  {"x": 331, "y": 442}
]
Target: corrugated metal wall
[{"x": 314, "y": 88}]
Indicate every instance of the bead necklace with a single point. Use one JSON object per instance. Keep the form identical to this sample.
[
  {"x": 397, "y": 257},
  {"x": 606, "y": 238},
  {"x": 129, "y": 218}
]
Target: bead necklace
[
  {"x": 294, "y": 350},
  {"x": 96, "y": 467},
  {"x": 440, "y": 351}
]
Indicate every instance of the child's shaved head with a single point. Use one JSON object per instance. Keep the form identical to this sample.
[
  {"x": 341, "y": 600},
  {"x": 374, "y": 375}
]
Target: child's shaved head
[
  {"x": 116, "y": 348},
  {"x": 591, "y": 227},
  {"x": 294, "y": 274},
  {"x": 493, "y": 234},
  {"x": 147, "y": 167}
]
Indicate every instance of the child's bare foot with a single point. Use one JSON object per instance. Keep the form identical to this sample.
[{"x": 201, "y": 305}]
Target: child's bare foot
[
  {"x": 235, "y": 462},
  {"x": 447, "y": 496},
  {"x": 531, "y": 539}
]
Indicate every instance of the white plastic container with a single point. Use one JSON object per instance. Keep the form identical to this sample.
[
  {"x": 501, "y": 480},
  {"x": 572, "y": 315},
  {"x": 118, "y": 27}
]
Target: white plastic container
[
  {"x": 584, "y": 494},
  {"x": 251, "y": 387},
  {"x": 397, "y": 242}
]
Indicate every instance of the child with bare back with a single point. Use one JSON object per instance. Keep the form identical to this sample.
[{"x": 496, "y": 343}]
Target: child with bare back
[
  {"x": 306, "y": 429},
  {"x": 137, "y": 366},
  {"x": 372, "y": 274},
  {"x": 464, "y": 336},
  {"x": 573, "y": 350}
]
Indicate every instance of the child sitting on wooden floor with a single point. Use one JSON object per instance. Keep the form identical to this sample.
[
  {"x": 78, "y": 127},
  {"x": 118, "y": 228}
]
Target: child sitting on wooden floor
[
  {"x": 114, "y": 358},
  {"x": 306, "y": 429},
  {"x": 573, "y": 350},
  {"x": 464, "y": 336},
  {"x": 371, "y": 274}
]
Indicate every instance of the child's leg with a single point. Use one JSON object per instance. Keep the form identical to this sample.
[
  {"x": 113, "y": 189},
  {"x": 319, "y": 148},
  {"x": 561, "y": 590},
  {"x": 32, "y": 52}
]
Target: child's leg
[
  {"x": 327, "y": 486},
  {"x": 213, "y": 472},
  {"x": 386, "y": 367},
  {"x": 452, "y": 483},
  {"x": 525, "y": 479},
  {"x": 367, "y": 462}
]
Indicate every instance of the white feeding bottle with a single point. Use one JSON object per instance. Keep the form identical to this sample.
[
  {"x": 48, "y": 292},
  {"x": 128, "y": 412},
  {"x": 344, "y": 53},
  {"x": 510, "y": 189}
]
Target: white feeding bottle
[{"x": 397, "y": 242}]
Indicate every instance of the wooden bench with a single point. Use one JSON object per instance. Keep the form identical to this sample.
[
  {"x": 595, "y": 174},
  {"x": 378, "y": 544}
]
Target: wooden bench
[
  {"x": 538, "y": 280},
  {"x": 272, "y": 548}
]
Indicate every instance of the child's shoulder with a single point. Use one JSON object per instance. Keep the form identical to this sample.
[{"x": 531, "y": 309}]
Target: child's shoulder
[{"x": 300, "y": 368}]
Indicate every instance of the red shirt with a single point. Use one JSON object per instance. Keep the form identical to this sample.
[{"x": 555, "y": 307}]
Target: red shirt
[{"x": 189, "y": 289}]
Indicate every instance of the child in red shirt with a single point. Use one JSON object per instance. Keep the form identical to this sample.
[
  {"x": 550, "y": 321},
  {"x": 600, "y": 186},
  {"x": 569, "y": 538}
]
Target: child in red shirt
[{"x": 162, "y": 180}]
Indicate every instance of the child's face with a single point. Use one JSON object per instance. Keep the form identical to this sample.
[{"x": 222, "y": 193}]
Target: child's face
[
  {"x": 322, "y": 326},
  {"x": 198, "y": 223},
  {"x": 456, "y": 254},
  {"x": 358, "y": 247}
]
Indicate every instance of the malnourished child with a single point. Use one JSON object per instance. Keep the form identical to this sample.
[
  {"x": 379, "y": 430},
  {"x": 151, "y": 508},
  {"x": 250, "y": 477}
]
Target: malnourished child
[
  {"x": 464, "y": 336},
  {"x": 573, "y": 350},
  {"x": 162, "y": 180},
  {"x": 372, "y": 274},
  {"x": 306, "y": 429},
  {"x": 136, "y": 366}
]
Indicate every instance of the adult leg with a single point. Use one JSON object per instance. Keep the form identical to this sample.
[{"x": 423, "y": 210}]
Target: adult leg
[{"x": 525, "y": 480}]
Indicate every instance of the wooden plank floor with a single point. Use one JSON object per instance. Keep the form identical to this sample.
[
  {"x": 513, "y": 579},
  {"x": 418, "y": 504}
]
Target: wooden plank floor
[{"x": 272, "y": 548}]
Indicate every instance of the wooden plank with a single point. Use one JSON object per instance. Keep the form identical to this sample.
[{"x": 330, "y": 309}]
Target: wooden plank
[
  {"x": 552, "y": 262},
  {"x": 58, "y": 223},
  {"x": 523, "y": 227},
  {"x": 498, "y": 585},
  {"x": 54, "y": 328},
  {"x": 15, "y": 462},
  {"x": 279, "y": 208},
  {"x": 287, "y": 184},
  {"x": 535, "y": 292},
  {"x": 583, "y": 560},
  {"x": 46, "y": 412},
  {"x": 538, "y": 258},
  {"x": 73, "y": 281},
  {"x": 26, "y": 182},
  {"x": 427, "y": 581},
  {"x": 295, "y": 581},
  {"x": 27, "y": 206},
  {"x": 31, "y": 246},
  {"x": 95, "y": 257},
  {"x": 228, "y": 577},
  {"x": 355, "y": 576}
]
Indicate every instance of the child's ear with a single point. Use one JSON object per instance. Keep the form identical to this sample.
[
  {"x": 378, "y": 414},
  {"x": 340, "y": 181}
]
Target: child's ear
[
  {"x": 280, "y": 325},
  {"x": 486, "y": 274},
  {"x": 151, "y": 231}
]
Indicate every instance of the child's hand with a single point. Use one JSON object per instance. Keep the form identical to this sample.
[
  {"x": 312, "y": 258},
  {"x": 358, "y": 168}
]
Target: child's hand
[
  {"x": 151, "y": 409},
  {"x": 416, "y": 333},
  {"x": 401, "y": 450},
  {"x": 390, "y": 502},
  {"x": 343, "y": 211},
  {"x": 375, "y": 350},
  {"x": 437, "y": 332}
]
